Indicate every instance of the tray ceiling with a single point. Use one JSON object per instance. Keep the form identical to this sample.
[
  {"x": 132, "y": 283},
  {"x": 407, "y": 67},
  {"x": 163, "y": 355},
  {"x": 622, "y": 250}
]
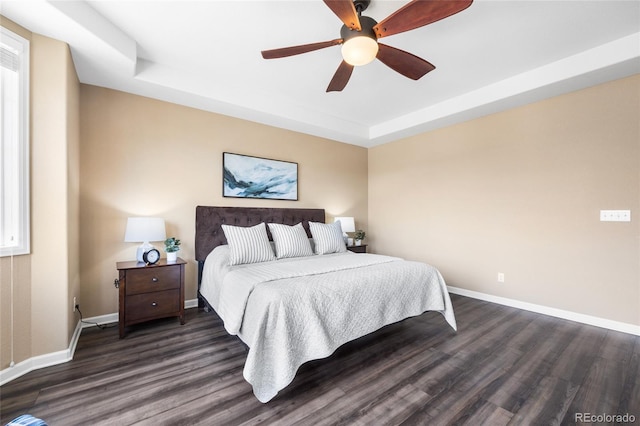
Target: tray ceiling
[{"x": 206, "y": 54}]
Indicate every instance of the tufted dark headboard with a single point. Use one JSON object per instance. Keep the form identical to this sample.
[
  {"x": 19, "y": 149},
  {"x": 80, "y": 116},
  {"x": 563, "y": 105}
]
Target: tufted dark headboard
[{"x": 209, "y": 233}]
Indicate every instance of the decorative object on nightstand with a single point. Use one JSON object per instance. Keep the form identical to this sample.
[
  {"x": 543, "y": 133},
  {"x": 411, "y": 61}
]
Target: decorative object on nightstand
[
  {"x": 348, "y": 225},
  {"x": 151, "y": 257},
  {"x": 172, "y": 246},
  {"x": 359, "y": 236},
  {"x": 143, "y": 230},
  {"x": 150, "y": 292}
]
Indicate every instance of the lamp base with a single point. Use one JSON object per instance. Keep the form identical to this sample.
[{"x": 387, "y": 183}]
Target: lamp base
[{"x": 145, "y": 247}]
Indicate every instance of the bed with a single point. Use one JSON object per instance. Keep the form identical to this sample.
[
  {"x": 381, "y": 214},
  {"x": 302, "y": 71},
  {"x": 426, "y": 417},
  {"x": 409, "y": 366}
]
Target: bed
[{"x": 298, "y": 308}]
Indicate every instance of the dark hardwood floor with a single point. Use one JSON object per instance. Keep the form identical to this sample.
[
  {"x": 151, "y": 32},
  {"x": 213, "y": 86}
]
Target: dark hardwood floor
[{"x": 504, "y": 366}]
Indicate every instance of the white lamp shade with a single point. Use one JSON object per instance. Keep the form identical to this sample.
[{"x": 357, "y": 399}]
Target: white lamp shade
[
  {"x": 145, "y": 229},
  {"x": 346, "y": 223}
]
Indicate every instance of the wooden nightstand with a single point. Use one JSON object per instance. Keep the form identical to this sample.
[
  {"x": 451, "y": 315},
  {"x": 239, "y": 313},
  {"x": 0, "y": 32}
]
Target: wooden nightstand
[
  {"x": 150, "y": 292},
  {"x": 358, "y": 249}
]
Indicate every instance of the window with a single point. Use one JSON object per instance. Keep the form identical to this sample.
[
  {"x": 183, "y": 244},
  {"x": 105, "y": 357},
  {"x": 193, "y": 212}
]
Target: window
[{"x": 14, "y": 144}]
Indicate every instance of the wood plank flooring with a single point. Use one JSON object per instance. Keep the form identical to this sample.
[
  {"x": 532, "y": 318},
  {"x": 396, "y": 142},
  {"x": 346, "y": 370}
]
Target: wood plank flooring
[{"x": 503, "y": 366}]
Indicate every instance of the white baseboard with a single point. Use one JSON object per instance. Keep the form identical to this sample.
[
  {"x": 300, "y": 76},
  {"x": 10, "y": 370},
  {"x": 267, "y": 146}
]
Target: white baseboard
[
  {"x": 100, "y": 319},
  {"x": 554, "y": 312},
  {"x": 41, "y": 361},
  {"x": 60, "y": 357}
]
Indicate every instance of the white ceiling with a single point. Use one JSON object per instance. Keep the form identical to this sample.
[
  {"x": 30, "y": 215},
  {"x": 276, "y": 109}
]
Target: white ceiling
[{"x": 206, "y": 54}]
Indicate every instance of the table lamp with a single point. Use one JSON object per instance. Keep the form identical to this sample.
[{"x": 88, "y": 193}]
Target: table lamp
[
  {"x": 348, "y": 225},
  {"x": 142, "y": 230}
]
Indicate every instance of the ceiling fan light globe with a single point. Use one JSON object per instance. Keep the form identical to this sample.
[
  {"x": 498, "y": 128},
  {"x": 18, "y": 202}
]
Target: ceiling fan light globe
[{"x": 359, "y": 50}]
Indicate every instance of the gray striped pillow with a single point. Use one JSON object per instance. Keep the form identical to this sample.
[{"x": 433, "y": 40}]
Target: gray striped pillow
[
  {"x": 327, "y": 237},
  {"x": 291, "y": 241},
  {"x": 248, "y": 244}
]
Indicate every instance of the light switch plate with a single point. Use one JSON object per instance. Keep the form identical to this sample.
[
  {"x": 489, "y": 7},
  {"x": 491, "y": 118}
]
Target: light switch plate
[{"x": 615, "y": 215}]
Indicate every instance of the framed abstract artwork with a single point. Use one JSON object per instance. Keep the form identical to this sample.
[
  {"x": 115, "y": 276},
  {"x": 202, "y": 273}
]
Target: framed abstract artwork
[{"x": 244, "y": 176}]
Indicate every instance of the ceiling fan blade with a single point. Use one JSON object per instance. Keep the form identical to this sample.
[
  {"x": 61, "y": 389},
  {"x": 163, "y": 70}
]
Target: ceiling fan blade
[
  {"x": 296, "y": 50},
  {"x": 340, "y": 78},
  {"x": 403, "y": 62},
  {"x": 417, "y": 14},
  {"x": 346, "y": 11}
]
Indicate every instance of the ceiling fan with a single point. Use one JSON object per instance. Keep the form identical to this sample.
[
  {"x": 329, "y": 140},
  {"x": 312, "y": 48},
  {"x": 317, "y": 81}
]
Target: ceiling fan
[{"x": 359, "y": 37}]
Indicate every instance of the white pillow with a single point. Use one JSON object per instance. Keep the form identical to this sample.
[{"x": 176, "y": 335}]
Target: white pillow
[
  {"x": 327, "y": 237},
  {"x": 291, "y": 241},
  {"x": 248, "y": 244}
]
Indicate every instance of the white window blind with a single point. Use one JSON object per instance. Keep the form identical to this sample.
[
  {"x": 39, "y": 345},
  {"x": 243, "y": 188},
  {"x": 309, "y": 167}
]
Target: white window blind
[{"x": 14, "y": 144}]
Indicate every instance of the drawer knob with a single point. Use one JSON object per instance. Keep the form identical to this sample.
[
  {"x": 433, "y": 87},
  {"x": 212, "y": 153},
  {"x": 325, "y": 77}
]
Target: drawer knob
[
  {"x": 154, "y": 304},
  {"x": 154, "y": 279}
]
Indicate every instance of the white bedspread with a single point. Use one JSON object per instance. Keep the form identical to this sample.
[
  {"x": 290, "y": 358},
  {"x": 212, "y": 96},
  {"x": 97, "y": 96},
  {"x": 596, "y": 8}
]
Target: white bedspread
[{"x": 292, "y": 311}]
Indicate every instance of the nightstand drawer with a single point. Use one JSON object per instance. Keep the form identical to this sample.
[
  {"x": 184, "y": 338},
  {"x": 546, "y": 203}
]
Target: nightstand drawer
[
  {"x": 149, "y": 279},
  {"x": 152, "y": 305},
  {"x": 358, "y": 249}
]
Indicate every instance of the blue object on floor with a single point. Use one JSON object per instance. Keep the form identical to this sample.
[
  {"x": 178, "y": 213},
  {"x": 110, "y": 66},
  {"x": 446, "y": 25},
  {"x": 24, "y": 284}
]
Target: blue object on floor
[{"x": 27, "y": 420}]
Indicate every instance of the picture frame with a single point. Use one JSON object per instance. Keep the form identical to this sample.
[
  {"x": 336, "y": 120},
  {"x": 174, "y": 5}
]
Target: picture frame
[{"x": 246, "y": 176}]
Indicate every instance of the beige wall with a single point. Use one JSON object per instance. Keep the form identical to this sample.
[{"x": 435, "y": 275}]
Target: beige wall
[
  {"x": 45, "y": 281},
  {"x": 144, "y": 157},
  {"x": 72, "y": 112},
  {"x": 519, "y": 192}
]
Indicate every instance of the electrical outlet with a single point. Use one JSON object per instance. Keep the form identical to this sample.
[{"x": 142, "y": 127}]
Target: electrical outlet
[
  {"x": 75, "y": 304},
  {"x": 500, "y": 277}
]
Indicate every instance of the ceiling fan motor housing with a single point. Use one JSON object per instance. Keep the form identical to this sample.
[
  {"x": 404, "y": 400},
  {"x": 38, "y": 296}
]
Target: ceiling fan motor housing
[{"x": 366, "y": 23}]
